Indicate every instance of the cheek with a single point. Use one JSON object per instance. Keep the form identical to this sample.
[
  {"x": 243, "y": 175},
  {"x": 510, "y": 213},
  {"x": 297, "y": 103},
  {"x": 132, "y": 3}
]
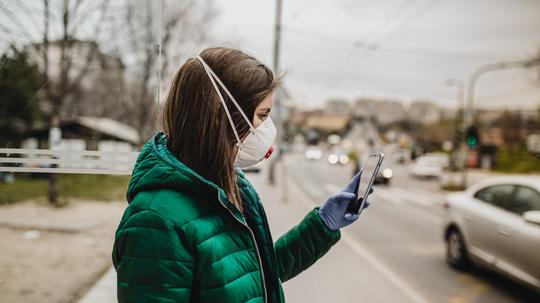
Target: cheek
[{"x": 256, "y": 122}]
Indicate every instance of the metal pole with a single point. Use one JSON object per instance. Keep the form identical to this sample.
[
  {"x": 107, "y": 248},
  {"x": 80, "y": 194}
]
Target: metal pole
[
  {"x": 160, "y": 24},
  {"x": 471, "y": 87},
  {"x": 277, "y": 42},
  {"x": 461, "y": 125}
]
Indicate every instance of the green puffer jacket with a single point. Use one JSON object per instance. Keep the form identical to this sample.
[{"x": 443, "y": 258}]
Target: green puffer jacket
[{"x": 181, "y": 240}]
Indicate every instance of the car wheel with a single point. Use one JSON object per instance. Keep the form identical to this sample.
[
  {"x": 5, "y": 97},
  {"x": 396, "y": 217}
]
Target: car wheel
[{"x": 456, "y": 253}]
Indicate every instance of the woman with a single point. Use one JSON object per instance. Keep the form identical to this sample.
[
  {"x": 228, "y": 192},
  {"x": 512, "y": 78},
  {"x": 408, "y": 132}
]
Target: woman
[{"x": 195, "y": 229}]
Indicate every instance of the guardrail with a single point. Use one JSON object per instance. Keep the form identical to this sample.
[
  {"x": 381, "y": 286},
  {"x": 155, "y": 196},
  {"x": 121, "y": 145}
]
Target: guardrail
[{"x": 66, "y": 161}]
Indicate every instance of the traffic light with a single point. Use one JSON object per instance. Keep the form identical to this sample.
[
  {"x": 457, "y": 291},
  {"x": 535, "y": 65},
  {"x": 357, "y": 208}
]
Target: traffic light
[{"x": 471, "y": 136}]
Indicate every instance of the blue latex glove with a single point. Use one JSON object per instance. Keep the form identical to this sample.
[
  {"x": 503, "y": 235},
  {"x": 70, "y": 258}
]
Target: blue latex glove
[{"x": 334, "y": 210}]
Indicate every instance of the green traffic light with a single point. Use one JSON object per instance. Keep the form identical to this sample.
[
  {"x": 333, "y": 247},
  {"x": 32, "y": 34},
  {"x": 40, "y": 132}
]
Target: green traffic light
[{"x": 471, "y": 141}]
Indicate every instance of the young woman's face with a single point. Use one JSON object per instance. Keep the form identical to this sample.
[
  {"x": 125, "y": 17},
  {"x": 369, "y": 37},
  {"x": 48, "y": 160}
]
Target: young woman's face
[{"x": 262, "y": 112}]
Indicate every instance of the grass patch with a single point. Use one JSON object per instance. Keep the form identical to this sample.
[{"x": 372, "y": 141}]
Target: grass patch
[
  {"x": 91, "y": 187},
  {"x": 516, "y": 160}
]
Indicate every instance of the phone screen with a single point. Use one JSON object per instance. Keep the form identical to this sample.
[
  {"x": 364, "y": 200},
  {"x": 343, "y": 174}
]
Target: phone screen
[{"x": 369, "y": 172}]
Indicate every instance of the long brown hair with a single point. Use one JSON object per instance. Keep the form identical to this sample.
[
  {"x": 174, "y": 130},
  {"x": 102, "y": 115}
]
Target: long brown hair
[{"x": 194, "y": 119}]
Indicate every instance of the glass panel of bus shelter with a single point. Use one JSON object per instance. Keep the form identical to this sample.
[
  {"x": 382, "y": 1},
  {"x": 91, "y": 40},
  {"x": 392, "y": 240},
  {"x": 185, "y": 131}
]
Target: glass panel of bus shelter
[{"x": 79, "y": 95}]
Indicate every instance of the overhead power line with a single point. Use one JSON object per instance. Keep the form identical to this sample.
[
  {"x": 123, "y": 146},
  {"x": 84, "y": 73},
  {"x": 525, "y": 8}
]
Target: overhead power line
[
  {"x": 398, "y": 25},
  {"x": 355, "y": 44},
  {"x": 369, "y": 37}
]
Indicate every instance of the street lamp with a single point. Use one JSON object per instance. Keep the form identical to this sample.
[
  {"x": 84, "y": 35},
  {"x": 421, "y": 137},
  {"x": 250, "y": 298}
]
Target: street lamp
[
  {"x": 459, "y": 102},
  {"x": 489, "y": 68},
  {"x": 457, "y": 159}
]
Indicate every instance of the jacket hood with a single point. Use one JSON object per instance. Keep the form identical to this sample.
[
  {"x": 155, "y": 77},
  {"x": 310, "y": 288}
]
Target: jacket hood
[{"x": 157, "y": 168}]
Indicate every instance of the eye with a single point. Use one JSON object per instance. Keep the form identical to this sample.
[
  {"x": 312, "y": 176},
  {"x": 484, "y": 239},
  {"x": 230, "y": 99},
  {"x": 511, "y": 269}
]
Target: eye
[{"x": 262, "y": 116}]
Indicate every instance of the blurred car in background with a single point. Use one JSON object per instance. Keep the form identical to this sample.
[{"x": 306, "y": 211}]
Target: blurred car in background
[
  {"x": 313, "y": 153},
  {"x": 496, "y": 224},
  {"x": 384, "y": 175},
  {"x": 443, "y": 158},
  {"x": 402, "y": 156},
  {"x": 428, "y": 166}
]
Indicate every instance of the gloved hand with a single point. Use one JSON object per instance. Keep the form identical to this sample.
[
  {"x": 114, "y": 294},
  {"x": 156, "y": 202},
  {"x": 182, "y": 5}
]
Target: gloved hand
[{"x": 334, "y": 210}]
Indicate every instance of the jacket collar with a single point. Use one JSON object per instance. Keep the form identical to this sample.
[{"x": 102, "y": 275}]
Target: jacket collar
[{"x": 157, "y": 167}]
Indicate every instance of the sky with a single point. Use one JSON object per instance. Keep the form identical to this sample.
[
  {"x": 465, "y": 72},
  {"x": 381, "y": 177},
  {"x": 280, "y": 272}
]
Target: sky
[{"x": 402, "y": 49}]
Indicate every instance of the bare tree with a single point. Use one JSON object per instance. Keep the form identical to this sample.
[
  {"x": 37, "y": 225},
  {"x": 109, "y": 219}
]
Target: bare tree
[
  {"x": 144, "y": 39},
  {"x": 63, "y": 24},
  {"x": 182, "y": 27}
]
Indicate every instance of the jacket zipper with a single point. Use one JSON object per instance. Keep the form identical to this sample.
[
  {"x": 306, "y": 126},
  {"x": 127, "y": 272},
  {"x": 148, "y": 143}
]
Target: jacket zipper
[{"x": 254, "y": 243}]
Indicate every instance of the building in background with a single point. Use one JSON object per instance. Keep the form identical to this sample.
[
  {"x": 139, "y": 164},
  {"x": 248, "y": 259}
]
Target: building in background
[
  {"x": 383, "y": 112},
  {"x": 87, "y": 133},
  {"x": 424, "y": 112}
]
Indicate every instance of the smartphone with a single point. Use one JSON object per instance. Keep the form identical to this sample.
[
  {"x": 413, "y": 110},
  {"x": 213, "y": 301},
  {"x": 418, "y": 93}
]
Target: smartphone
[{"x": 369, "y": 172}]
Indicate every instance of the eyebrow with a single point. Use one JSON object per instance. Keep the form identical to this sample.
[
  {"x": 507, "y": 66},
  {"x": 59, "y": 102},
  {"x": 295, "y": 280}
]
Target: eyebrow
[{"x": 265, "y": 110}]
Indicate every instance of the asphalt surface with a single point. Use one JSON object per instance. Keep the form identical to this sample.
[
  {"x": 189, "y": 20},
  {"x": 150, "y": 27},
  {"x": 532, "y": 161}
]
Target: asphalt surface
[{"x": 400, "y": 235}]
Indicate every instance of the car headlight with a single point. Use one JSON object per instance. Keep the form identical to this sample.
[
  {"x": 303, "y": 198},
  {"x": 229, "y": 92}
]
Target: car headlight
[
  {"x": 343, "y": 159},
  {"x": 387, "y": 173},
  {"x": 333, "y": 159}
]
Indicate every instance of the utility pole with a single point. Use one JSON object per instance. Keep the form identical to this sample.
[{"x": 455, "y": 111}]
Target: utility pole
[
  {"x": 473, "y": 79},
  {"x": 457, "y": 159},
  {"x": 277, "y": 43},
  {"x": 54, "y": 124}
]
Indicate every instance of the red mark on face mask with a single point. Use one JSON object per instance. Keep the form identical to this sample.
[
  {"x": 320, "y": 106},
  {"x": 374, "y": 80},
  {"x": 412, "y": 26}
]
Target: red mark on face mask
[{"x": 269, "y": 152}]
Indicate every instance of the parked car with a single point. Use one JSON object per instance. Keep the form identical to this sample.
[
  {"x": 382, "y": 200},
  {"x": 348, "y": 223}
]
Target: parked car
[
  {"x": 427, "y": 167},
  {"x": 496, "y": 224}
]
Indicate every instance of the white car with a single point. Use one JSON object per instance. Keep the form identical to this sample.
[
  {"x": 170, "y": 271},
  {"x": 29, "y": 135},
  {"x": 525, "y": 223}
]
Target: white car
[
  {"x": 427, "y": 167},
  {"x": 496, "y": 224}
]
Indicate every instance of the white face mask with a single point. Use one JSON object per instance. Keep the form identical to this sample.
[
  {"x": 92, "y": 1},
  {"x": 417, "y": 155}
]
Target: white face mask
[{"x": 258, "y": 143}]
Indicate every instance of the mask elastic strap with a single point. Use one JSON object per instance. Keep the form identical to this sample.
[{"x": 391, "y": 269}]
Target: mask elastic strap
[
  {"x": 223, "y": 102},
  {"x": 208, "y": 69}
]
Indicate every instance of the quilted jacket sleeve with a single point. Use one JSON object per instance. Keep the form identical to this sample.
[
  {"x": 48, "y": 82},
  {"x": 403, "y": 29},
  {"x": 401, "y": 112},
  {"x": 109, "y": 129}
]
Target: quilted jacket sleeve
[
  {"x": 153, "y": 263},
  {"x": 304, "y": 244}
]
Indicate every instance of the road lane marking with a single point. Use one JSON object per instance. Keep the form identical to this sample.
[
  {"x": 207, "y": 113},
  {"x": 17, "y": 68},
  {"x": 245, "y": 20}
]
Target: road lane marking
[
  {"x": 398, "y": 195},
  {"x": 393, "y": 197},
  {"x": 437, "y": 198},
  {"x": 391, "y": 276},
  {"x": 474, "y": 289},
  {"x": 423, "y": 215},
  {"x": 413, "y": 197},
  {"x": 357, "y": 248},
  {"x": 387, "y": 196},
  {"x": 413, "y": 211},
  {"x": 428, "y": 250}
]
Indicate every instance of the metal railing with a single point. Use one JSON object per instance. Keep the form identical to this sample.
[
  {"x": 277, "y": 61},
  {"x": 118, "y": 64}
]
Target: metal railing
[{"x": 14, "y": 160}]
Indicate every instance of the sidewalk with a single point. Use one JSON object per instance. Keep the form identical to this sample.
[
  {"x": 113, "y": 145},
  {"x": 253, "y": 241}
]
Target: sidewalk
[
  {"x": 347, "y": 273},
  {"x": 51, "y": 254}
]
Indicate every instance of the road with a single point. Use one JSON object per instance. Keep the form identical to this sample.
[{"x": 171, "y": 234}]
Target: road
[{"x": 401, "y": 231}]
